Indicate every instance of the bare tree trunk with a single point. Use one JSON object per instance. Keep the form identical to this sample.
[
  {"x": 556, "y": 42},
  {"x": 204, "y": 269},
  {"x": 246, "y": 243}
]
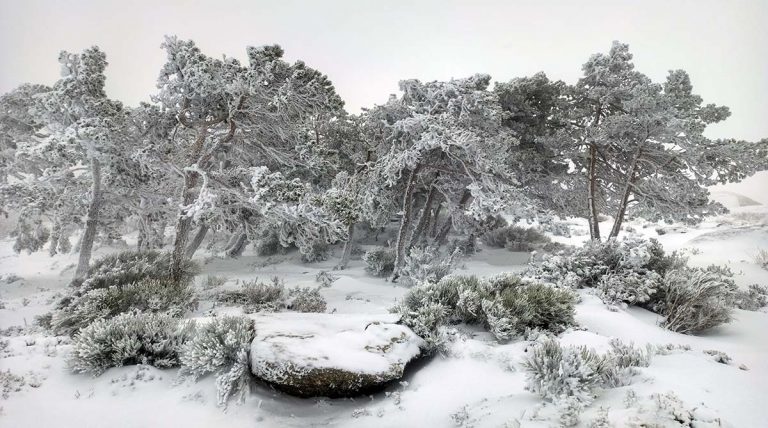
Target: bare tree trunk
[
  {"x": 594, "y": 221},
  {"x": 424, "y": 216},
  {"x": 442, "y": 236},
  {"x": 435, "y": 219},
  {"x": 622, "y": 210},
  {"x": 183, "y": 225},
  {"x": 196, "y": 241},
  {"x": 91, "y": 223},
  {"x": 347, "y": 247},
  {"x": 405, "y": 222}
]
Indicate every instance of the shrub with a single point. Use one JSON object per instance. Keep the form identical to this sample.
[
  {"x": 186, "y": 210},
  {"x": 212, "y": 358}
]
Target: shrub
[
  {"x": 222, "y": 347},
  {"x": 213, "y": 281},
  {"x": 761, "y": 258},
  {"x": 268, "y": 244},
  {"x": 427, "y": 265},
  {"x": 325, "y": 278},
  {"x": 627, "y": 287},
  {"x": 131, "y": 338},
  {"x": 516, "y": 238},
  {"x": 754, "y": 298},
  {"x": 317, "y": 251},
  {"x": 307, "y": 300},
  {"x": 556, "y": 372},
  {"x": 257, "y": 296},
  {"x": 693, "y": 300},
  {"x": 80, "y": 308},
  {"x": 506, "y": 304},
  {"x": 559, "y": 373},
  {"x": 379, "y": 261},
  {"x": 132, "y": 266}
]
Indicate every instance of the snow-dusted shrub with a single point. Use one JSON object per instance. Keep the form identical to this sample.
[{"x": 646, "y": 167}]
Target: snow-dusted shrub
[
  {"x": 516, "y": 238},
  {"x": 130, "y": 338},
  {"x": 534, "y": 305},
  {"x": 556, "y": 372},
  {"x": 307, "y": 300},
  {"x": 379, "y": 261},
  {"x": 268, "y": 244},
  {"x": 221, "y": 347},
  {"x": 258, "y": 296},
  {"x": 131, "y": 266},
  {"x": 147, "y": 295},
  {"x": 559, "y": 372},
  {"x": 628, "y": 271},
  {"x": 317, "y": 251},
  {"x": 693, "y": 300},
  {"x": 627, "y": 286},
  {"x": 506, "y": 304},
  {"x": 325, "y": 278},
  {"x": 427, "y": 265},
  {"x": 752, "y": 299},
  {"x": 213, "y": 281},
  {"x": 761, "y": 258}
]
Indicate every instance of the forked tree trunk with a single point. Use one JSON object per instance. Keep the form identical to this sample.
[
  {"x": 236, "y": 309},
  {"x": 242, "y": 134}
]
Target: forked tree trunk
[
  {"x": 91, "y": 223},
  {"x": 594, "y": 221},
  {"x": 442, "y": 236},
  {"x": 622, "y": 210},
  {"x": 196, "y": 241},
  {"x": 405, "y": 222},
  {"x": 347, "y": 247}
]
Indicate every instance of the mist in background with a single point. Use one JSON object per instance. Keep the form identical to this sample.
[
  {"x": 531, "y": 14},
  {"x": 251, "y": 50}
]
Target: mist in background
[{"x": 366, "y": 47}]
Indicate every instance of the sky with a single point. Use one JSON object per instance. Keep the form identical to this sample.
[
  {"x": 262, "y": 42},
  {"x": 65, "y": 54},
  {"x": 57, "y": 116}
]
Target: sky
[{"x": 366, "y": 47}]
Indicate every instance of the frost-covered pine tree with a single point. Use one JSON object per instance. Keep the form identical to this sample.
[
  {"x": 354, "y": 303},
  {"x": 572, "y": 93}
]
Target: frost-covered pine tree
[
  {"x": 79, "y": 156},
  {"x": 442, "y": 147},
  {"x": 233, "y": 117}
]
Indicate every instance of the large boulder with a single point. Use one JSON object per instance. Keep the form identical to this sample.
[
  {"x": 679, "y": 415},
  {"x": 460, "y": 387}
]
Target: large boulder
[{"x": 331, "y": 355}]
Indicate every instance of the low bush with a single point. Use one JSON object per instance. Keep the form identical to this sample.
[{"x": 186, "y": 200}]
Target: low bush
[
  {"x": 379, "y": 261},
  {"x": 427, "y": 265},
  {"x": 80, "y": 308},
  {"x": 307, "y": 300},
  {"x": 258, "y": 296},
  {"x": 317, "y": 251},
  {"x": 761, "y": 258},
  {"x": 516, "y": 238},
  {"x": 506, "y": 304},
  {"x": 130, "y": 338},
  {"x": 268, "y": 244},
  {"x": 221, "y": 347},
  {"x": 132, "y": 266},
  {"x": 558, "y": 373},
  {"x": 693, "y": 300},
  {"x": 753, "y": 298}
]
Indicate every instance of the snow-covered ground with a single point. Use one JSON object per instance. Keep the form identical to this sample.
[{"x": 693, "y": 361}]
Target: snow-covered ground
[{"x": 480, "y": 383}]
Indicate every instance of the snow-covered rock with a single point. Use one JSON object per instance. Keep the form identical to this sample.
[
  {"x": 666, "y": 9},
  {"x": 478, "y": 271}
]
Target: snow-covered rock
[{"x": 331, "y": 355}]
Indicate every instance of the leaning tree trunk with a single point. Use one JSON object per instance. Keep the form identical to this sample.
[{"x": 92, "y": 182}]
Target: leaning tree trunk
[
  {"x": 196, "y": 241},
  {"x": 622, "y": 210},
  {"x": 594, "y": 221},
  {"x": 183, "y": 225},
  {"x": 424, "y": 217},
  {"x": 405, "y": 222},
  {"x": 347, "y": 247},
  {"x": 89, "y": 234}
]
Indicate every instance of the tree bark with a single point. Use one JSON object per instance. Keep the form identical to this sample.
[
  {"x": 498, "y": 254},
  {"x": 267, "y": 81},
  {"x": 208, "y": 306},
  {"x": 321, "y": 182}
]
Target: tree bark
[
  {"x": 91, "y": 223},
  {"x": 405, "y": 222},
  {"x": 622, "y": 210},
  {"x": 196, "y": 241},
  {"x": 442, "y": 236},
  {"x": 347, "y": 247},
  {"x": 183, "y": 225},
  {"x": 594, "y": 221},
  {"x": 434, "y": 220},
  {"x": 424, "y": 216}
]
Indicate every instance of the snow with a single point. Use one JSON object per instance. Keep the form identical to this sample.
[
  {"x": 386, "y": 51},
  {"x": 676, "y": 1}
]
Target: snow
[
  {"x": 478, "y": 381},
  {"x": 356, "y": 343}
]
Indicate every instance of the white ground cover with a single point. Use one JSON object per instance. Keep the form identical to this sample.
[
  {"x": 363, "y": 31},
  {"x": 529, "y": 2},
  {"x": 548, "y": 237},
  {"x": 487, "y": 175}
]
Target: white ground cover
[{"x": 478, "y": 383}]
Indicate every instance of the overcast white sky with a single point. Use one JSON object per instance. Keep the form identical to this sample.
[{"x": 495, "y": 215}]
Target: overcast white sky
[{"x": 366, "y": 47}]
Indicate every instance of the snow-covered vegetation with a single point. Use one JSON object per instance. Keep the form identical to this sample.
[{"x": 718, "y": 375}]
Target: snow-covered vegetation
[{"x": 442, "y": 252}]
